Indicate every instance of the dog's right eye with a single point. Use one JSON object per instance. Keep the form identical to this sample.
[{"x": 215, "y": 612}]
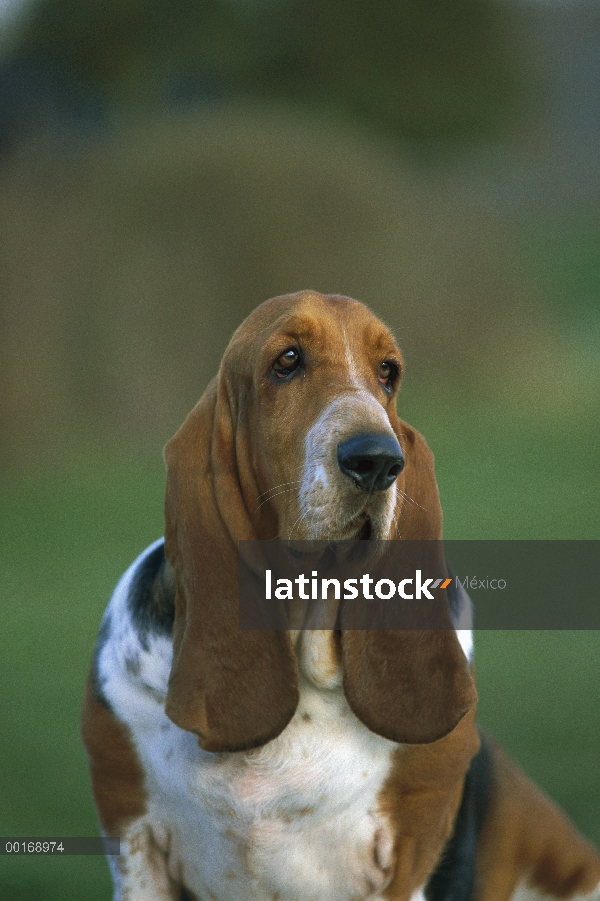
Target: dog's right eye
[{"x": 287, "y": 363}]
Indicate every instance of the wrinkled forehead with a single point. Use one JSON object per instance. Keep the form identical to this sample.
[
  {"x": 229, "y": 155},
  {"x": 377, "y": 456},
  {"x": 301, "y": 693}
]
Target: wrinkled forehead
[{"x": 330, "y": 325}]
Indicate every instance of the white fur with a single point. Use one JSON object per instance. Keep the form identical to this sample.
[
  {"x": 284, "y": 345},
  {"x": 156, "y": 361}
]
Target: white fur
[
  {"x": 464, "y": 626},
  {"x": 465, "y": 639},
  {"x": 351, "y": 363},
  {"x": 330, "y": 504},
  {"x": 418, "y": 896}
]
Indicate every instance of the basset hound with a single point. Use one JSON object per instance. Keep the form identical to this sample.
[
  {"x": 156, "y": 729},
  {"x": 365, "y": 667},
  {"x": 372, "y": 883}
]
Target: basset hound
[{"x": 257, "y": 765}]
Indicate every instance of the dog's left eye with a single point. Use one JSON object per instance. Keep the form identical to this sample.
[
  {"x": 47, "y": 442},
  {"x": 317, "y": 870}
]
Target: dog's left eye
[
  {"x": 387, "y": 373},
  {"x": 287, "y": 363}
]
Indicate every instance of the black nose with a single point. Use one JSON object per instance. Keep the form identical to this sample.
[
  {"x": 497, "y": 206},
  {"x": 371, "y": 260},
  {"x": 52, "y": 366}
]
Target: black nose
[{"x": 373, "y": 461}]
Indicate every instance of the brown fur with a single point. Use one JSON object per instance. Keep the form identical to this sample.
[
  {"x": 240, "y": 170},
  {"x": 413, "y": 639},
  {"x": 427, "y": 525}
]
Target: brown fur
[
  {"x": 421, "y": 797},
  {"x": 411, "y": 686},
  {"x": 527, "y": 838},
  {"x": 222, "y": 683},
  {"x": 116, "y": 773}
]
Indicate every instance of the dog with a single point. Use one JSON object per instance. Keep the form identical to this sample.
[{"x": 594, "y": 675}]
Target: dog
[{"x": 296, "y": 765}]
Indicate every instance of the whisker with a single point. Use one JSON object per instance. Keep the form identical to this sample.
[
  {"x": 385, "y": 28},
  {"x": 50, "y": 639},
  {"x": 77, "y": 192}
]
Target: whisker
[
  {"x": 394, "y": 521},
  {"x": 289, "y": 504},
  {"x": 302, "y": 515},
  {"x": 409, "y": 498},
  {"x": 300, "y": 518},
  {"x": 267, "y": 499},
  {"x": 275, "y": 487}
]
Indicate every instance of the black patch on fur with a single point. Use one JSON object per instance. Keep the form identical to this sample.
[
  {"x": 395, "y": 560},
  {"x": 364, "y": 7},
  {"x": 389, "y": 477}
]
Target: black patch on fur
[
  {"x": 103, "y": 636},
  {"x": 184, "y": 896},
  {"x": 454, "y": 878},
  {"x": 151, "y": 600}
]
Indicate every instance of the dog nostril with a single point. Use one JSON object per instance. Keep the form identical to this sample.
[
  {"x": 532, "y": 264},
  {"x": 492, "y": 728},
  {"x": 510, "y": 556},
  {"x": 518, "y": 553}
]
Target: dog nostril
[{"x": 372, "y": 461}]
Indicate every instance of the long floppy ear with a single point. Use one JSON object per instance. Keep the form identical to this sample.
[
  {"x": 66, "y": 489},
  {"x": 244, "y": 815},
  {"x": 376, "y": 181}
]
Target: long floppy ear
[
  {"x": 407, "y": 685},
  {"x": 236, "y": 689}
]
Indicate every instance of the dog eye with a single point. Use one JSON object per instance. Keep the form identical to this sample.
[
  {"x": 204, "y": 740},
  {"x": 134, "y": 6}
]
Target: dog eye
[
  {"x": 388, "y": 373},
  {"x": 287, "y": 363}
]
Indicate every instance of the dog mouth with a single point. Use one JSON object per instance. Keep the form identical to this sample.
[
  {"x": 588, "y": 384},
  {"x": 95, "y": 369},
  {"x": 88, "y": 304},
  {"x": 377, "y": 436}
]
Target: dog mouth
[
  {"x": 366, "y": 530},
  {"x": 359, "y": 528}
]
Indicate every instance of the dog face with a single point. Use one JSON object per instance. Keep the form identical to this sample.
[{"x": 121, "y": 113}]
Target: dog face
[{"x": 321, "y": 391}]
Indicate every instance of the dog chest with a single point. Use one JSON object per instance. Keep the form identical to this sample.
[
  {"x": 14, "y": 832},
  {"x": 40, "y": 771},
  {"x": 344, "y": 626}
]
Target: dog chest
[{"x": 297, "y": 818}]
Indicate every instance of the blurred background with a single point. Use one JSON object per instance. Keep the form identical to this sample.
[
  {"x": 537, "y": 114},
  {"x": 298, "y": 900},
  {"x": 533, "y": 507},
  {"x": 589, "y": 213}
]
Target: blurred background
[{"x": 165, "y": 167}]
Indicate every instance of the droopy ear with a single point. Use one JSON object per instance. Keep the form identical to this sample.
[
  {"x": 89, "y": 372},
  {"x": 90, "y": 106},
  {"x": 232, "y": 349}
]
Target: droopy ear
[
  {"x": 236, "y": 689},
  {"x": 410, "y": 686}
]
